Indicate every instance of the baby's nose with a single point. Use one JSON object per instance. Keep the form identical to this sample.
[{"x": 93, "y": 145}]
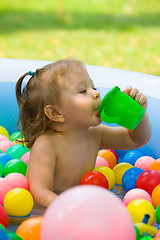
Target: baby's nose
[{"x": 96, "y": 94}]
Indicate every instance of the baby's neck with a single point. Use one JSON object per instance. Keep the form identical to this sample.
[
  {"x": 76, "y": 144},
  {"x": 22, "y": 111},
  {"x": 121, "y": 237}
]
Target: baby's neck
[{"x": 72, "y": 132}]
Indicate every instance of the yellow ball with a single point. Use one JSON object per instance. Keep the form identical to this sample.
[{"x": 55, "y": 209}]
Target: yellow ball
[
  {"x": 18, "y": 202},
  {"x": 108, "y": 173},
  {"x": 4, "y": 132},
  {"x": 138, "y": 208},
  {"x": 119, "y": 170}
]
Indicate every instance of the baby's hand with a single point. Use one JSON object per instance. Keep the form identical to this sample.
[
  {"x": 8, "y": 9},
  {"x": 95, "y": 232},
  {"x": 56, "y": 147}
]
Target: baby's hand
[{"x": 138, "y": 96}]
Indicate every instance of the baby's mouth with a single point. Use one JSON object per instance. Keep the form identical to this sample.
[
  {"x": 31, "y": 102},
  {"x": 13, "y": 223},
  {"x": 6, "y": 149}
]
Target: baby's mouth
[{"x": 96, "y": 111}]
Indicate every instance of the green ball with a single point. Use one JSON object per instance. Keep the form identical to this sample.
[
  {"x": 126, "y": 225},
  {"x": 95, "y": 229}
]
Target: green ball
[
  {"x": 1, "y": 169},
  {"x": 146, "y": 238},
  {"x": 13, "y": 236},
  {"x": 158, "y": 215},
  {"x": 15, "y": 135},
  {"x": 15, "y": 165},
  {"x": 138, "y": 236},
  {"x": 17, "y": 151}
]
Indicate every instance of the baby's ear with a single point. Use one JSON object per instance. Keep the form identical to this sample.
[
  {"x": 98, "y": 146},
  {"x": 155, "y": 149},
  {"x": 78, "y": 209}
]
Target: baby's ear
[{"x": 54, "y": 114}]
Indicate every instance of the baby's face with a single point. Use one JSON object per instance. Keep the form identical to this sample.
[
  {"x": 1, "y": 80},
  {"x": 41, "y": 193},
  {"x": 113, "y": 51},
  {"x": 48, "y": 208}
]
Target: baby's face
[{"x": 79, "y": 98}]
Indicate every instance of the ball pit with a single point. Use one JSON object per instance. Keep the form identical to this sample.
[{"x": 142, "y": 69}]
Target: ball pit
[{"x": 101, "y": 76}]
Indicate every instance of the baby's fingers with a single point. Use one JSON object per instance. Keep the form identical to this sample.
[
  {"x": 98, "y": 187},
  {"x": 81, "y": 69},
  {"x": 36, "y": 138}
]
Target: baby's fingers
[{"x": 133, "y": 93}]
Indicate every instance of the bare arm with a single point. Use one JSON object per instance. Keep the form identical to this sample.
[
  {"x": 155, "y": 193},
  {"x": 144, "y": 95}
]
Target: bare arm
[
  {"x": 41, "y": 172},
  {"x": 122, "y": 138}
]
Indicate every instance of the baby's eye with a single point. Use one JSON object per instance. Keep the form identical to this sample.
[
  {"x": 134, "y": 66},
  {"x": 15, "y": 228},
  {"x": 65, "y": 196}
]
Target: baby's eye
[
  {"x": 83, "y": 91},
  {"x": 94, "y": 88}
]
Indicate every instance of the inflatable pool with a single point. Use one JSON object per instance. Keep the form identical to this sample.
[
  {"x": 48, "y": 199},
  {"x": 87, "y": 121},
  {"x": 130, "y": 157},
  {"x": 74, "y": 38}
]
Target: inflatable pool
[{"x": 104, "y": 79}]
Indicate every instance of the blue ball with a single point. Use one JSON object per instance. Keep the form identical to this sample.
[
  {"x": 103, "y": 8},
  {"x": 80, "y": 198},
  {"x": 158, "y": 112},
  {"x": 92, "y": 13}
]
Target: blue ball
[
  {"x": 130, "y": 177},
  {"x": 132, "y": 156},
  {"x": 3, "y": 233},
  {"x": 4, "y": 158}
]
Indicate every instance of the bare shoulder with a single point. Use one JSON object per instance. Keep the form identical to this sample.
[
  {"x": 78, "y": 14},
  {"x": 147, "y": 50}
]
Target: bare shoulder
[{"x": 43, "y": 147}]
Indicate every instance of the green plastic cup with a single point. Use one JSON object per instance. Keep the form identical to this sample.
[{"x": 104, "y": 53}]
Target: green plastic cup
[{"x": 118, "y": 107}]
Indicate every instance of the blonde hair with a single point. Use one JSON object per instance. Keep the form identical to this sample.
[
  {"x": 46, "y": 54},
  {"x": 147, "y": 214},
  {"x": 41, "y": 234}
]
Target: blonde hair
[{"x": 40, "y": 91}]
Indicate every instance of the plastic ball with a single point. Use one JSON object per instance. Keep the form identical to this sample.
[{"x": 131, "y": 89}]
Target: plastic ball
[
  {"x": 156, "y": 196},
  {"x": 101, "y": 162},
  {"x": 4, "y": 158},
  {"x": 18, "y": 202},
  {"x": 4, "y": 132},
  {"x": 13, "y": 236},
  {"x": 158, "y": 215},
  {"x": 17, "y": 180},
  {"x": 119, "y": 170},
  {"x": 158, "y": 234},
  {"x": 109, "y": 156},
  {"x": 132, "y": 156},
  {"x": 95, "y": 178},
  {"x": 1, "y": 169},
  {"x": 15, "y": 165},
  {"x": 2, "y": 138},
  {"x": 144, "y": 162},
  {"x": 136, "y": 193},
  {"x": 138, "y": 208},
  {"x": 113, "y": 151},
  {"x": 4, "y": 145},
  {"x": 155, "y": 165},
  {"x": 137, "y": 233},
  {"x": 15, "y": 135},
  {"x": 109, "y": 174},
  {"x": 87, "y": 212},
  {"x": 25, "y": 157},
  {"x": 3, "y": 217},
  {"x": 17, "y": 151},
  {"x": 4, "y": 189},
  {"x": 148, "y": 180},
  {"x": 3, "y": 233},
  {"x": 130, "y": 177},
  {"x": 30, "y": 229}
]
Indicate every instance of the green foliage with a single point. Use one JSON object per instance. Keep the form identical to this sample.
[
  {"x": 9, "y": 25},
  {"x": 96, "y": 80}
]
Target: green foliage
[{"x": 114, "y": 33}]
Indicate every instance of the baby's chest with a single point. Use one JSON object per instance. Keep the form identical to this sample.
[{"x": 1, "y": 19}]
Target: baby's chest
[{"x": 73, "y": 164}]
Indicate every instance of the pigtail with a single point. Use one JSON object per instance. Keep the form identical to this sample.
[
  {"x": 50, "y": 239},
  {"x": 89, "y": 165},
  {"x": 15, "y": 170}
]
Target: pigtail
[{"x": 20, "y": 99}]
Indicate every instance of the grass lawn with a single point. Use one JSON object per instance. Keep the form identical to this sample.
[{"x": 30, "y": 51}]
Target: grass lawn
[{"x": 114, "y": 33}]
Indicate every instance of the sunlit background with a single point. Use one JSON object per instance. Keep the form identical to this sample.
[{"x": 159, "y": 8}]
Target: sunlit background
[{"x": 113, "y": 33}]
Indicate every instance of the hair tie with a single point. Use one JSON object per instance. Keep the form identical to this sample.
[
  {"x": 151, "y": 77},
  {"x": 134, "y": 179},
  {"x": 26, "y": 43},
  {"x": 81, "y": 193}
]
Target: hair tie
[{"x": 30, "y": 73}]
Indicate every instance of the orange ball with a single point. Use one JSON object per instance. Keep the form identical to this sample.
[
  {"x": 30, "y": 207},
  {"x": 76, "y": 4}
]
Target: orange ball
[
  {"x": 30, "y": 229},
  {"x": 155, "y": 165},
  {"x": 156, "y": 196},
  {"x": 109, "y": 157}
]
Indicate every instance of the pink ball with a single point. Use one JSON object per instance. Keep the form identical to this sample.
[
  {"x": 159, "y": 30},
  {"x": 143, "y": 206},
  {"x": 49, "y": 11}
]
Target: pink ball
[
  {"x": 158, "y": 234},
  {"x": 144, "y": 162},
  {"x": 100, "y": 161},
  {"x": 4, "y": 189},
  {"x": 17, "y": 180},
  {"x": 25, "y": 157},
  {"x": 5, "y": 144},
  {"x": 134, "y": 194},
  {"x": 2, "y": 138},
  {"x": 87, "y": 212}
]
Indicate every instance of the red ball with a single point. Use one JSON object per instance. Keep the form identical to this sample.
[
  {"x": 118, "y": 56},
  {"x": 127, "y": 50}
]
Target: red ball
[
  {"x": 3, "y": 217},
  {"x": 95, "y": 178},
  {"x": 148, "y": 180}
]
